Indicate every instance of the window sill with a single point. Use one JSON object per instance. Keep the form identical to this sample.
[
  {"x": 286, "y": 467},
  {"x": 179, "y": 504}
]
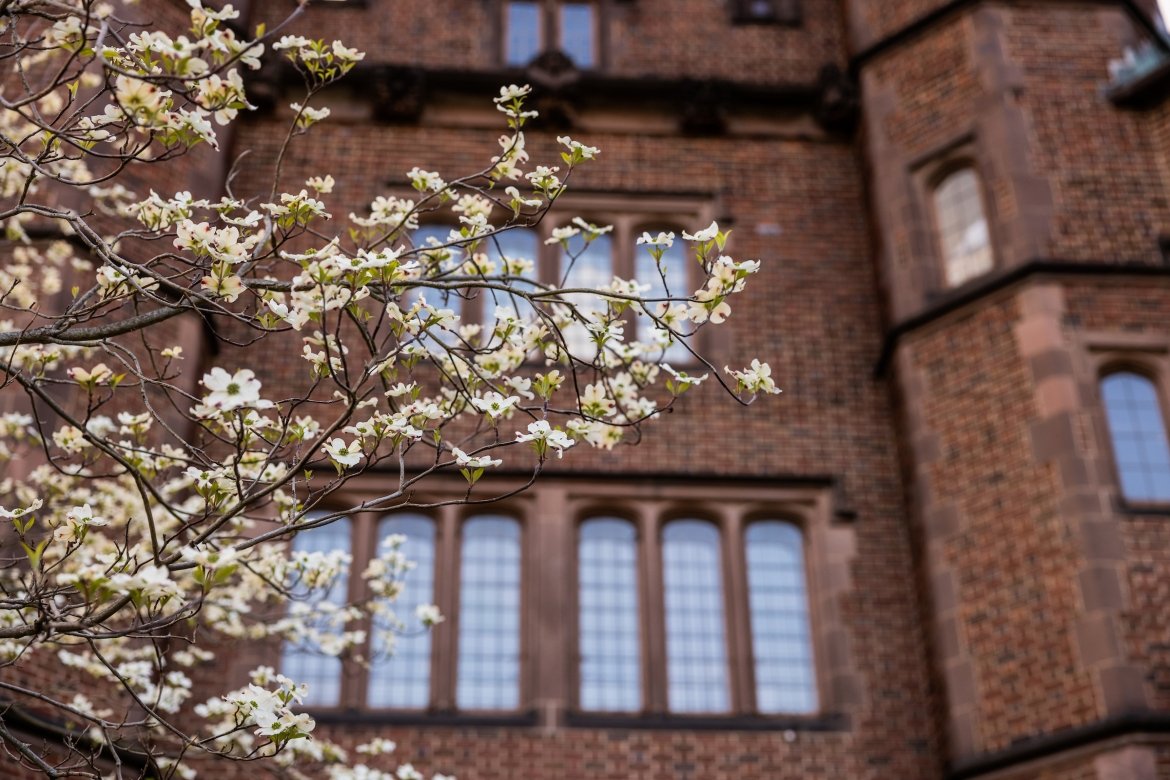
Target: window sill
[
  {"x": 679, "y": 722},
  {"x": 1144, "y": 508},
  {"x": 424, "y": 718}
]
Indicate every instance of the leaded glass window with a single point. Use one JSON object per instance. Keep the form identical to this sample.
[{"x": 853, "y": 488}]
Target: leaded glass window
[
  {"x": 488, "y": 676},
  {"x": 302, "y": 657},
  {"x": 696, "y": 645},
  {"x": 778, "y": 602},
  {"x": 400, "y": 672},
  {"x": 1138, "y": 434},
  {"x": 608, "y": 616}
]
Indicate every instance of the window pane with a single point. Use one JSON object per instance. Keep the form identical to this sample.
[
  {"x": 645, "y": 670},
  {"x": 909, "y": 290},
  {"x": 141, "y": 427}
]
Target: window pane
[
  {"x": 511, "y": 246},
  {"x": 591, "y": 266},
  {"x": 523, "y": 32},
  {"x": 301, "y": 658},
  {"x": 1138, "y": 433},
  {"x": 962, "y": 227},
  {"x": 785, "y": 678},
  {"x": 489, "y": 615},
  {"x": 668, "y": 278},
  {"x": 403, "y": 679},
  {"x": 438, "y": 263},
  {"x": 608, "y": 612},
  {"x": 696, "y": 652},
  {"x": 577, "y": 33}
]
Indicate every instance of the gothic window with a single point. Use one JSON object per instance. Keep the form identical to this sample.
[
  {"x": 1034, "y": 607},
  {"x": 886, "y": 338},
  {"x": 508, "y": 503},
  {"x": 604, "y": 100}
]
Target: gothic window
[
  {"x": 961, "y": 225},
  {"x": 488, "y": 675},
  {"x": 400, "y": 669},
  {"x": 1138, "y": 433},
  {"x": 302, "y": 657},
  {"x": 696, "y": 646},
  {"x": 778, "y": 608},
  {"x": 608, "y": 616}
]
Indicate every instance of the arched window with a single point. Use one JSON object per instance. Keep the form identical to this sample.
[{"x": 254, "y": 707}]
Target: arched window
[
  {"x": 488, "y": 676},
  {"x": 778, "y": 602},
  {"x": 610, "y": 649},
  {"x": 667, "y": 278},
  {"x": 400, "y": 670},
  {"x": 962, "y": 227},
  {"x": 1138, "y": 434},
  {"x": 696, "y": 647},
  {"x": 302, "y": 658}
]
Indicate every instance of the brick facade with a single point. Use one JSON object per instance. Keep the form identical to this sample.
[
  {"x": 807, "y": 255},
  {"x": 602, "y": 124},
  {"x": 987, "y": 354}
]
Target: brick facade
[{"x": 986, "y": 603}]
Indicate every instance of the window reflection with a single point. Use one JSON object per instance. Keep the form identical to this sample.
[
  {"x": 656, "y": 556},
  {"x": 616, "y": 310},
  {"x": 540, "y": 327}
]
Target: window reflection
[
  {"x": 696, "y": 649},
  {"x": 400, "y": 675},
  {"x": 608, "y": 613},
  {"x": 489, "y": 615}
]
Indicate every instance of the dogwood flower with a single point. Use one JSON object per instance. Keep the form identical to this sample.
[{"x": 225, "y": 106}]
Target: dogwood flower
[
  {"x": 233, "y": 391},
  {"x": 343, "y": 454},
  {"x": 543, "y": 436}
]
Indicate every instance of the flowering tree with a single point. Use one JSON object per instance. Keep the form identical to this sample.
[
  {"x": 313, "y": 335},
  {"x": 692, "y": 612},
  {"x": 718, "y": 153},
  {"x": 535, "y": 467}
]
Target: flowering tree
[{"x": 147, "y": 497}]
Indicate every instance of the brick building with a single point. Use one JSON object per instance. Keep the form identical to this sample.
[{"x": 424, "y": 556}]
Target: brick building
[{"x": 944, "y": 552}]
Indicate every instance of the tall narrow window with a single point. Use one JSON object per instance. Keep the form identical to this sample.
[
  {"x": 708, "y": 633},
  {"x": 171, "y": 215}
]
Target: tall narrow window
[
  {"x": 585, "y": 266},
  {"x": 513, "y": 251},
  {"x": 696, "y": 648},
  {"x": 303, "y": 658},
  {"x": 489, "y": 615},
  {"x": 1138, "y": 432},
  {"x": 610, "y": 649},
  {"x": 522, "y": 26},
  {"x": 785, "y": 677},
  {"x": 962, "y": 227},
  {"x": 400, "y": 672},
  {"x": 667, "y": 278},
  {"x": 577, "y": 33},
  {"x": 438, "y": 264}
]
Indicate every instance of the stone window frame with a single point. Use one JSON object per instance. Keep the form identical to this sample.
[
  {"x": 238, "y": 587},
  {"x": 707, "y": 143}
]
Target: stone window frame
[
  {"x": 549, "y": 668},
  {"x": 550, "y": 33},
  {"x": 927, "y": 173},
  {"x": 1146, "y": 355}
]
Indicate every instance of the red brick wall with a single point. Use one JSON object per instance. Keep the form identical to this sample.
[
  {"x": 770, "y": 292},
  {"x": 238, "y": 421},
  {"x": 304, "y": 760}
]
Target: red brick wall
[{"x": 663, "y": 38}]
